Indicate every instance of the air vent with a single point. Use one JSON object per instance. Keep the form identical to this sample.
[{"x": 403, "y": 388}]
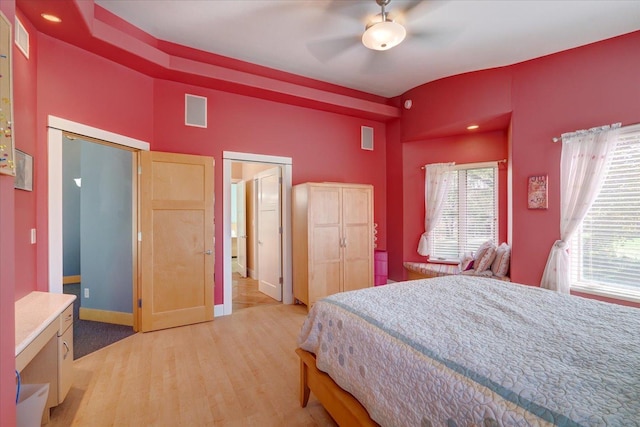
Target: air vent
[
  {"x": 22, "y": 38},
  {"x": 366, "y": 138},
  {"x": 195, "y": 111}
]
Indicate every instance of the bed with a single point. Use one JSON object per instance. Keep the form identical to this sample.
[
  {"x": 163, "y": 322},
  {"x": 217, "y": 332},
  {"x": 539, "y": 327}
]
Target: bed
[{"x": 464, "y": 350}]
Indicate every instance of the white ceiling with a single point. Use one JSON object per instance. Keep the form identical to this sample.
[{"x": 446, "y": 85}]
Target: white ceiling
[{"x": 321, "y": 38}]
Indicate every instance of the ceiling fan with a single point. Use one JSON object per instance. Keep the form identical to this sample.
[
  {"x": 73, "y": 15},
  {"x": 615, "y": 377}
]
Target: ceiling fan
[{"x": 383, "y": 33}]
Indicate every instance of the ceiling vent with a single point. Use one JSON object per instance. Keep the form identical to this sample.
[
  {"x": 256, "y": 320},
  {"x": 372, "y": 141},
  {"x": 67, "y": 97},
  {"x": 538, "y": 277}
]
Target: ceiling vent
[
  {"x": 195, "y": 111},
  {"x": 366, "y": 138},
  {"x": 22, "y": 38}
]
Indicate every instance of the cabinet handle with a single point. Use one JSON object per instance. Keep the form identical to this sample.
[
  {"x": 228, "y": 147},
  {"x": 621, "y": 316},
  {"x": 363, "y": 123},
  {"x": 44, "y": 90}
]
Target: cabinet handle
[{"x": 66, "y": 349}]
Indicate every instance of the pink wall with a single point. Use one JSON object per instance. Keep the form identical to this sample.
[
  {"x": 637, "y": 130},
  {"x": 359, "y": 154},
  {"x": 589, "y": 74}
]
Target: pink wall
[
  {"x": 323, "y": 146},
  {"x": 470, "y": 148},
  {"x": 82, "y": 87},
  {"x": 7, "y": 281},
  {"x": 85, "y": 88},
  {"x": 581, "y": 88},
  {"x": 25, "y": 106}
]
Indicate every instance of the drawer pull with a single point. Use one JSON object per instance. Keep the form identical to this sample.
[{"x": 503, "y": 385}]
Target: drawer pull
[{"x": 66, "y": 349}]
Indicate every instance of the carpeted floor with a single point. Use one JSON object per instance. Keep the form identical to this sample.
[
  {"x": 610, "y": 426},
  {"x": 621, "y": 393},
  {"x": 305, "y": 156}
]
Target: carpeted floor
[{"x": 90, "y": 336}]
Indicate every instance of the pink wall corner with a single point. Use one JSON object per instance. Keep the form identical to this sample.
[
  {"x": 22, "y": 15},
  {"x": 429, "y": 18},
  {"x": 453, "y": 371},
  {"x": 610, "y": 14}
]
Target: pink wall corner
[
  {"x": 323, "y": 146},
  {"x": 395, "y": 204},
  {"x": 7, "y": 300},
  {"x": 7, "y": 281}
]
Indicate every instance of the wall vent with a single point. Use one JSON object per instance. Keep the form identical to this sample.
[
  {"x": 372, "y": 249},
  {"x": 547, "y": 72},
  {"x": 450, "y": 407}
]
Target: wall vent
[
  {"x": 22, "y": 38},
  {"x": 195, "y": 111},
  {"x": 366, "y": 138}
]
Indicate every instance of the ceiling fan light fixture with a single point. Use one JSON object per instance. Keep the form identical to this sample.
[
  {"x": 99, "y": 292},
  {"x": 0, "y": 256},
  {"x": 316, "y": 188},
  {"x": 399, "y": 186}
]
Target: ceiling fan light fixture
[{"x": 383, "y": 35}]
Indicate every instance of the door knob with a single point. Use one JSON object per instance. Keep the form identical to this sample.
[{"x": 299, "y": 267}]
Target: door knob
[{"x": 208, "y": 252}]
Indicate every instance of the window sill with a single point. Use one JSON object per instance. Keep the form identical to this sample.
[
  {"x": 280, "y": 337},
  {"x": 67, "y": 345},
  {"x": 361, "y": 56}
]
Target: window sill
[{"x": 608, "y": 292}]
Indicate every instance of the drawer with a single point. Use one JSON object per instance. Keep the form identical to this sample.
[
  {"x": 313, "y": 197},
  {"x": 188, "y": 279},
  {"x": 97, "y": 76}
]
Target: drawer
[{"x": 65, "y": 319}]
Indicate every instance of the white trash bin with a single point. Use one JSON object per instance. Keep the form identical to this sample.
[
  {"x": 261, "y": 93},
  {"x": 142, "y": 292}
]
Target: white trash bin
[{"x": 31, "y": 402}]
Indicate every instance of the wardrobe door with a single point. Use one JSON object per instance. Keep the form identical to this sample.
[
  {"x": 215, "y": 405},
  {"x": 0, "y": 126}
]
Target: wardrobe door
[{"x": 357, "y": 231}]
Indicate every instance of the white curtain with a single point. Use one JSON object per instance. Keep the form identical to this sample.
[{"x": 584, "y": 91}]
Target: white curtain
[
  {"x": 585, "y": 160},
  {"x": 436, "y": 185}
]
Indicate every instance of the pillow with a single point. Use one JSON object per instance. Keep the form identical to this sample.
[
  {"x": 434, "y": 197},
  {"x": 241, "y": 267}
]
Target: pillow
[
  {"x": 485, "y": 256},
  {"x": 466, "y": 261},
  {"x": 500, "y": 266}
]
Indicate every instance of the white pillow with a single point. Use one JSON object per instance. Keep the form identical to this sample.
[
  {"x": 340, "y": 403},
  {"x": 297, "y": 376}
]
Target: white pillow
[
  {"x": 484, "y": 256},
  {"x": 500, "y": 266}
]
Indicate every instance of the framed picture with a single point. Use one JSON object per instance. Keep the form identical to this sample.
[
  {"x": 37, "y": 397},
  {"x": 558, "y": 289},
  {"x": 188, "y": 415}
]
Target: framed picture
[
  {"x": 537, "y": 192},
  {"x": 24, "y": 171}
]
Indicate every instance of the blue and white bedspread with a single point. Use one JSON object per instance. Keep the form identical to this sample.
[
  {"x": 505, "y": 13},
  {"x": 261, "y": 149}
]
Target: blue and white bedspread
[{"x": 465, "y": 351}]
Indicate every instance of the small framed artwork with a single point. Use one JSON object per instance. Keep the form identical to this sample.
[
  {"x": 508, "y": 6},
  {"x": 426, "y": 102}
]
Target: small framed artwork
[
  {"x": 24, "y": 171},
  {"x": 537, "y": 192}
]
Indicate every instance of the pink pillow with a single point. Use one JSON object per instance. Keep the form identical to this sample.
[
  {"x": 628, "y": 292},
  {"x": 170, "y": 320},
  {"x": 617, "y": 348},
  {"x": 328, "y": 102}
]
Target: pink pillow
[
  {"x": 466, "y": 262},
  {"x": 485, "y": 256},
  {"x": 500, "y": 266}
]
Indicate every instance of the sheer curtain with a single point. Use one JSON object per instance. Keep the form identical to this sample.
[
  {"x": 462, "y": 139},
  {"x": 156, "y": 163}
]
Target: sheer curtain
[
  {"x": 436, "y": 184},
  {"x": 585, "y": 160}
]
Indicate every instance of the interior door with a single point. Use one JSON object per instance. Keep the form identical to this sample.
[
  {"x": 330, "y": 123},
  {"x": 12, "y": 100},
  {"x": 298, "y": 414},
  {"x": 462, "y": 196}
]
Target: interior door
[
  {"x": 241, "y": 224},
  {"x": 269, "y": 233},
  {"x": 176, "y": 240}
]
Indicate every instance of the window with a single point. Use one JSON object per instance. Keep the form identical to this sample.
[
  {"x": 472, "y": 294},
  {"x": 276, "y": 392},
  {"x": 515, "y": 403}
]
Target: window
[
  {"x": 470, "y": 214},
  {"x": 605, "y": 250}
]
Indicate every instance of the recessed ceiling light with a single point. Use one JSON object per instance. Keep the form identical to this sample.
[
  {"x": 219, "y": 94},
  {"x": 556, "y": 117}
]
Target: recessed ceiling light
[
  {"x": 473, "y": 127},
  {"x": 49, "y": 17}
]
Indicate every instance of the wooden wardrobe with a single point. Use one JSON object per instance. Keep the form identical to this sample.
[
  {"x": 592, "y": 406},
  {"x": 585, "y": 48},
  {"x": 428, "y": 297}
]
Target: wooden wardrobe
[{"x": 332, "y": 239}]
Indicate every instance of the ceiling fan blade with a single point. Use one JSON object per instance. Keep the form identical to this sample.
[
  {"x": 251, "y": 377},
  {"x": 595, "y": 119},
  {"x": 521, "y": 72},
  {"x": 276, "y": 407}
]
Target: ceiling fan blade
[
  {"x": 327, "y": 49},
  {"x": 378, "y": 62},
  {"x": 414, "y": 10}
]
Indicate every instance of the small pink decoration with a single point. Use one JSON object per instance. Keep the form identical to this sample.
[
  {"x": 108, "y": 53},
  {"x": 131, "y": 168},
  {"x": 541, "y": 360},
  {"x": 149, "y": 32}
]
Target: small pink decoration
[{"x": 537, "y": 192}]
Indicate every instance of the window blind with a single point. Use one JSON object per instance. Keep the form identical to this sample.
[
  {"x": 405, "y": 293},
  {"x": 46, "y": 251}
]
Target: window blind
[
  {"x": 470, "y": 213},
  {"x": 606, "y": 248}
]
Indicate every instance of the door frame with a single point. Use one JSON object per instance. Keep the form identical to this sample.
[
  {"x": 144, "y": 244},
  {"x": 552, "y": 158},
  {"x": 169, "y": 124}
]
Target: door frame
[
  {"x": 286, "y": 164},
  {"x": 56, "y": 128}
]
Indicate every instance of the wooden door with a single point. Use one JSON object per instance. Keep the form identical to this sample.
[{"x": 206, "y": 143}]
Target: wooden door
[
  {"x": 357, "y": 229},
  {"x": 176, "y": 240},
  {"x": 269, "y": 233},
  {"x": 325, "y": 252}
]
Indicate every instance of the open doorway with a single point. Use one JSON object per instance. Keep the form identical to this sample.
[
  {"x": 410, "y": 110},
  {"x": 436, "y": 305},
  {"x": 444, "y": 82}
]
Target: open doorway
[
  {"x": 256, "y": 240},
  {"x": 94, "y": 184},
  {"x": 254, "y": 181}
]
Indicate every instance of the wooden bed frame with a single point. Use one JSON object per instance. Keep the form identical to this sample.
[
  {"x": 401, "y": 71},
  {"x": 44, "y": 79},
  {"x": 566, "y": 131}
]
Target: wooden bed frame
[{"x": 343, "y": 407}]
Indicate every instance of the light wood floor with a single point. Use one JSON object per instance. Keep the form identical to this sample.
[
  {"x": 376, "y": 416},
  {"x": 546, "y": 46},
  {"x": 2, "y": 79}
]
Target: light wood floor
[
  {"x": 239, "y": 370},
  {"x": 245, "y": 293}
]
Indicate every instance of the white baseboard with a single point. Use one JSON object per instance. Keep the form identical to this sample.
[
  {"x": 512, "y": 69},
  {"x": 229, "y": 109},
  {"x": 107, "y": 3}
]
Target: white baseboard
[{"x": 218, "y": 310}]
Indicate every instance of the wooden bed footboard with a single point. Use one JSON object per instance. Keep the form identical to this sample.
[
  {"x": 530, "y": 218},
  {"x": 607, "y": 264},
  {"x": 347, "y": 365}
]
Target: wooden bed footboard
[{"x": 343, "y": 407}]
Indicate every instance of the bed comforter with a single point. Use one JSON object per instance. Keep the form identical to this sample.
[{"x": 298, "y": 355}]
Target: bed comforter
[{"x": 464, "y": 351}]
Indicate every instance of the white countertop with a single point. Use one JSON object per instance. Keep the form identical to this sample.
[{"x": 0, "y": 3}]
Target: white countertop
[{"x": 35, "y": 312}]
